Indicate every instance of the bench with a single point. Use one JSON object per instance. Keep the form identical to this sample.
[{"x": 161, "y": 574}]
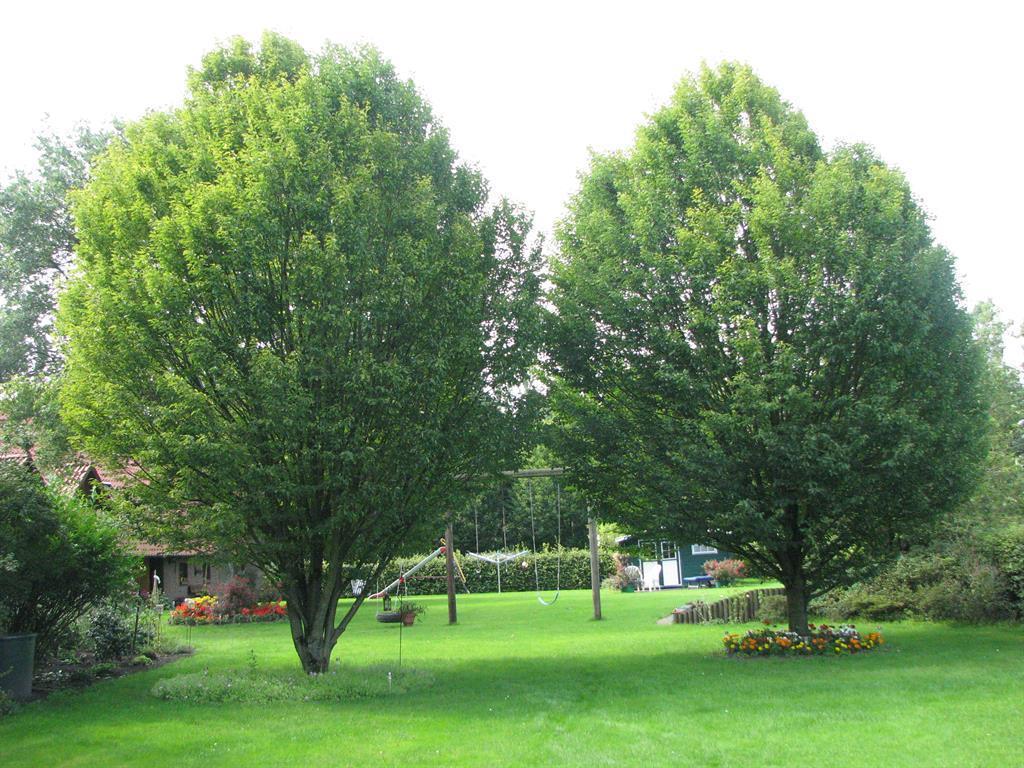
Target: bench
[{"x": 696, "y": 582}]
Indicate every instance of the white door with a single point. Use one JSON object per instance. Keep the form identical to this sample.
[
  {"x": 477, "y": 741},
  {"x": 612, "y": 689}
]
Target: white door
[{"x": 670, "y": 573}]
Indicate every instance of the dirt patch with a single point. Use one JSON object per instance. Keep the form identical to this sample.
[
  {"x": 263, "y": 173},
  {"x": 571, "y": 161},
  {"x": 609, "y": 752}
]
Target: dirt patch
[{"x": 78, "y": 675}]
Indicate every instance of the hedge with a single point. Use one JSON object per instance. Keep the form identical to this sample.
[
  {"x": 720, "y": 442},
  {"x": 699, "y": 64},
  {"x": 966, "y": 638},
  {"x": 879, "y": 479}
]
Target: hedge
[
  {"x": 1009, "y": 551},
  {"x": 483, "y": 577}
]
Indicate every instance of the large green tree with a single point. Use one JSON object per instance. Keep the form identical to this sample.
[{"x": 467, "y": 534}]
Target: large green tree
[
  {"x": 294, "y": 310},
  {"x": 756, "y": 344},
  {"x": 998, "y": 499},
  {"x": 37, "y": 238}
]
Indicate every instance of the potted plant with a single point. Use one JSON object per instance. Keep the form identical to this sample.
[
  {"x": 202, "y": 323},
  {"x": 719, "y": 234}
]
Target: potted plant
[{"x": 409, "y": 611}]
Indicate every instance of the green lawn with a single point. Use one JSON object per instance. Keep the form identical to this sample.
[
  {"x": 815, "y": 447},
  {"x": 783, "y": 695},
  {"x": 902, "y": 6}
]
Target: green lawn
[{"x": 520, "y": 684}]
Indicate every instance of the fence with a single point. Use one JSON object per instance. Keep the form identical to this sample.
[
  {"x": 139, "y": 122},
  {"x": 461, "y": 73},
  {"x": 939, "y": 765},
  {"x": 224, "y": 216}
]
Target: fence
[{"x": 735, "y": 609}]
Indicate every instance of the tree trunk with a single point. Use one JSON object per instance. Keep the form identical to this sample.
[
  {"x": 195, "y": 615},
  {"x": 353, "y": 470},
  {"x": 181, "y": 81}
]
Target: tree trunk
[
  {"x": 312, "y": 644},
  {"x": 313, "y": 632},
  {"x": 793, "y": 577},
  {"x": 315, "y": 657},
  {"x": 796, "y": 605}
]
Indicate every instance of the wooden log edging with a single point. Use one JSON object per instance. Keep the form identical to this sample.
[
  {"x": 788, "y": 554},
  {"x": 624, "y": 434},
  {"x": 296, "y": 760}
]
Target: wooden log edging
[{"x": 735, "y": 609}]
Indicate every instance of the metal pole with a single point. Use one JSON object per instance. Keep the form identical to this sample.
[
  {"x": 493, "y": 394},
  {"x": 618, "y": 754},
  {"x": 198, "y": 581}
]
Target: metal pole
[
  {"x": 449, "y": 564},
  {"x": 595, "y": 567}
]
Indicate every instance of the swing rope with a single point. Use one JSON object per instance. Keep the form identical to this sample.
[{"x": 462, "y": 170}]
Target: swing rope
[
  {"x": 533, "y": 533},
  {"x": 476, "y": 523}
]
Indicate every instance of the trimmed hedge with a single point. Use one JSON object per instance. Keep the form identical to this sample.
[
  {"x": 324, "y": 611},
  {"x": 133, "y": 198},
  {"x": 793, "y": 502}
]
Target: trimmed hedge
[{"x": 483, "y": 577}]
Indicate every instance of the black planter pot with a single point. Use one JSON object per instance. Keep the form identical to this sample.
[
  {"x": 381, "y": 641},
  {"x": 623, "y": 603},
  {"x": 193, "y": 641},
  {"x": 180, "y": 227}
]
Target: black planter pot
[{"x": 17, "y": 657}]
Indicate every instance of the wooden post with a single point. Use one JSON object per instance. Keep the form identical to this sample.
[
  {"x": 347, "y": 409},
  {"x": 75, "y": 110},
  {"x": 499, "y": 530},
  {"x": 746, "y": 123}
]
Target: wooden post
[
  {"x": 595, "y": 568},
  {"x": 449, "y": 563}
]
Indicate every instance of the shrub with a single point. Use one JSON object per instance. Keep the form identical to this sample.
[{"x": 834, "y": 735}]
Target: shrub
[
  {"x": 259, "y": 687},
  {"x": 103, "y": 669},
  {"x": 274, "y": 611},
  {"x": 725, "y": 572},
  {"x": 823, "y": 641},
  {"x": 113, "y": 633},
  {"x": 772, "y": 609},
  {"x": 7, "y": 704},
  {"x": 268, "y": 591},
  {"x": 61, "y": 556},
  {"x": 862, "y": 601},
  {"x": 192, "y": 612},
  {"x": 1008, "y": 548},
  {"x": 963, "y": 586},
  {"x": 205, "y": 610},
  {"x": 517, "y": 576},
  {"x": 109, "y": 633},
  {"x": 232, "y": 597}
]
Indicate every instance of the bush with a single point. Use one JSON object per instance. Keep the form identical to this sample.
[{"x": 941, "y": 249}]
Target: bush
[
  {"x": 1007, "y": 546},
  {"x": 113, "y": 633},
  {"x": 7, "y": 704},
  {"x": 340, "y": 684},
  {"x": 772, "y": 609},
  {"x": 192, "y": 612},
  {"x": 104, "y": 669},
  {"x": 237, "y": 594},
  {"x": 725, "y": 572},
  {"x": 205, "y": 610},
  {"x": 270, "y": 612},
  {"x": 61, "y": 555},
  {"x": 966, "y": 586},
  {"x": 517, "y": 576},
  {"x": 861, "y": 601},
  {"x": 268, "y": 591}
]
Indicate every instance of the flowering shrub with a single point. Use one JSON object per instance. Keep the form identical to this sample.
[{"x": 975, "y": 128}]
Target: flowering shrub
[
  {"x": 725, "y": 572},
  {"x": 235, "y": 596},
  {"x": 205, "y": 610},
  {"x": 193, "y": 612},
  {"x": 844, "y": 639},
  {"x": 265, "y": 612}
]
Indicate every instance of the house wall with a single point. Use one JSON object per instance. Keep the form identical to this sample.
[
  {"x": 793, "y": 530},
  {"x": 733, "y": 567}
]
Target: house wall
[
  {"x": 690, "y": 564},
  {"x": 693, "y": 565},
  {"x": 198, "y": 576}
]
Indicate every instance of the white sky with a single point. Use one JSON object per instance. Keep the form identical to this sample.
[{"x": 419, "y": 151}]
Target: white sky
[{"x": 525, "y": 88}]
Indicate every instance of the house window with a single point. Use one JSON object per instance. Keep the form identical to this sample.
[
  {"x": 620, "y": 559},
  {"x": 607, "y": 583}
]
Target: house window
[
  {"x": 183, "y": 572},
  {"x": 700, "y": 549},
  {"x": 668, "y": 550}
]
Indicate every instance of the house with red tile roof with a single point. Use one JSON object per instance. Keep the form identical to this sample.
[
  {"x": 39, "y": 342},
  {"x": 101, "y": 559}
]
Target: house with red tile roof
[{"x": 179, "y": 573}]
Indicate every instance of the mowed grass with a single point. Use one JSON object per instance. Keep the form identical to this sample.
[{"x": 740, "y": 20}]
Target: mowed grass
[{"x": 517, "y": 683}]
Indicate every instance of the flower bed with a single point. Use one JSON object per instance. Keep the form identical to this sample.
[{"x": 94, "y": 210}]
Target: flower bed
[
  {"x": 204, "y": 610},
  {"x": 265, "y": 612},
  {"x": 823, "y": 640}
]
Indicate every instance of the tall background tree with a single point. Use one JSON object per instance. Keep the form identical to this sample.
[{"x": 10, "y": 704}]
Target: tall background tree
[
  {"x": 756, "y": 344},
  {"x": 294, "y": 311},
  {"x": 998, "y": 499},
  {"x": 37, "y": 239}
]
